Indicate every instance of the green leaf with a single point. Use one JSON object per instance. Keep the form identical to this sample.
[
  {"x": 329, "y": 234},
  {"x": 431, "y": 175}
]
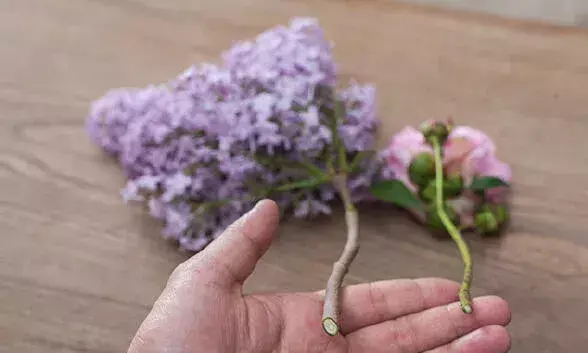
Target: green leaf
[
  {"x": 281, "y": 163},
  {"x": 487, "y": 182},
  {"x": 396, "y": 192},
  {"x": 302, "y": 184},
  {"x": 204, "y": 207},
  {"x": 314, "y": 170},
  {"x": 358, "y": 158}
]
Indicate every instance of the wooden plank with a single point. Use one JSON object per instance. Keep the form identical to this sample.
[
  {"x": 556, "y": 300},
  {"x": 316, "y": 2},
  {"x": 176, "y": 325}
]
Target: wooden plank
[{"x": 79, "y": 270}]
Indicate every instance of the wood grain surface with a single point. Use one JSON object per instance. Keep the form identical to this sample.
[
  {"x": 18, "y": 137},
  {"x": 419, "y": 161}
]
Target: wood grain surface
[{"x": 79, "y": 270}]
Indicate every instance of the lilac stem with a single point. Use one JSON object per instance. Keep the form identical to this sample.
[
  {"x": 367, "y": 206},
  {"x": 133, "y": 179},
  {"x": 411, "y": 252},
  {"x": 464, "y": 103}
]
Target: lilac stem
[{"x": 331, "y": 309}]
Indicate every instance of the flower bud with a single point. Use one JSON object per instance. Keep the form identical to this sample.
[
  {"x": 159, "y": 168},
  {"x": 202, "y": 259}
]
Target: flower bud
[
  {"x": 501, "y": 214},
  {"x": 437, "y": 129},
  {"x": 452, "y": 187},
  {"x": 490, "y": 218},
  {"x": 422, "y": 169},
  {"x": 486, "y": 222},
  {"x": 434, "y": 221},
  {"x": 429, "y": 192}
]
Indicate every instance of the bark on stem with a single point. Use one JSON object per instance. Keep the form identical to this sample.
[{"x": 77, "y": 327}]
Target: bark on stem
[{"x": 331, "y": 309}]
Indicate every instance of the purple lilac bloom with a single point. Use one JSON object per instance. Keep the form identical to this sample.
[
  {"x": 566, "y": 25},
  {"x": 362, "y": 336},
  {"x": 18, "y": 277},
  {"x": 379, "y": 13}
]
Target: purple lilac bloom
[
  {"x": 110, "y": 116},
  {"x": 195, "y": 149}
]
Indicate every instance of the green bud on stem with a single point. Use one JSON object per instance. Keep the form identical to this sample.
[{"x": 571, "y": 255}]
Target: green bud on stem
[
  {"x": 501, "y": 214},
  {"x": 490, "y": 218},
  {"x": 422, "y": 169},
  {"x": 452, "y": 187},
  {"x": 486, "y": 222},
  {"x": 434, "y": 221},
  {"x": 436, "y": 129},
  {"x": 429, "y": 192}
]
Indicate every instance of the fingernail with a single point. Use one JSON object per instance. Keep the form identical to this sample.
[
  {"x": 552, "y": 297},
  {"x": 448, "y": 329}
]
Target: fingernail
[
  {"x": 257, "y": 207},
  {"x": 258, "y": 204},
  {"x": 251, "y": 212}
]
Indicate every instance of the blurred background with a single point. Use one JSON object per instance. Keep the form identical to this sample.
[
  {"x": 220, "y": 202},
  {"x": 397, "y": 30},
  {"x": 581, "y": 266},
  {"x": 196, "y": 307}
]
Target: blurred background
[{"x": 563, "y": 12}]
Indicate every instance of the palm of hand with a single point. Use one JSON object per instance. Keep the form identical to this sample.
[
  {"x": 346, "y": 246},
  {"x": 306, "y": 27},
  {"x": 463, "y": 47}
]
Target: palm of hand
[{"x": 203, "y": 309}]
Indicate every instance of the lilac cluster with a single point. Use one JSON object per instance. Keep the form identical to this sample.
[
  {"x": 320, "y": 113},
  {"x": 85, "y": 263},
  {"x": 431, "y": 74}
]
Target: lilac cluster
[{"x": 202, "y": 148}]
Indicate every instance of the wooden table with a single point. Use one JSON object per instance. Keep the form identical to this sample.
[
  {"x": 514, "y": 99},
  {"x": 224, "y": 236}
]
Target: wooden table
[{"x": 79, "y": 269}]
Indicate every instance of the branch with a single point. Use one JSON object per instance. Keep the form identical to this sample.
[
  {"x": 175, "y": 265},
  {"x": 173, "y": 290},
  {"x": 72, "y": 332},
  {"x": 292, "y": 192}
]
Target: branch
[
  {"x": 331, "y": 309},
  {"x": 279, "y": 162},
  {"x": 339, "y": 144},
  {"x": 465, "y": 298},
  {"x": 301, "y": 184}
]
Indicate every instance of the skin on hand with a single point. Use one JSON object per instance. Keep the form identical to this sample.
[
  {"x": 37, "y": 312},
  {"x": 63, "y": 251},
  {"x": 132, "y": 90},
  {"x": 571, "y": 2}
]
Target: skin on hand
[{"x": 203, "y": 309}]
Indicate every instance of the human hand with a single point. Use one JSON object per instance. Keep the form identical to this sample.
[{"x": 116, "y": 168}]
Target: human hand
[{"x": 203, "y": 309}]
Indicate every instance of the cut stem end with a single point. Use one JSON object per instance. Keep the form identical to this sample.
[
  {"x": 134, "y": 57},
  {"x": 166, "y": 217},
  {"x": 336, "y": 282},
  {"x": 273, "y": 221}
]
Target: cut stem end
[
  {"x": 330, "y": 326},
  {"x": 467, "y": 309},
  {"x": 465, "y": 299}
]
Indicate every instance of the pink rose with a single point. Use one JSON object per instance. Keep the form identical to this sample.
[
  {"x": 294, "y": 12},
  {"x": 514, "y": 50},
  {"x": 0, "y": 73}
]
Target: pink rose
[
  {"x": 470, "y": 152},
  {"x": 467, "y": 151}
]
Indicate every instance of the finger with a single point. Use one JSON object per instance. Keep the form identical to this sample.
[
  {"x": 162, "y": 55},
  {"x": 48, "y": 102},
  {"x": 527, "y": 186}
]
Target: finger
[
  {"x": 489, "y": 339},
  {"x": 372, "y": 303},
  {"x": 431, "y": 328},
  {"x": 232, "y": 257}
]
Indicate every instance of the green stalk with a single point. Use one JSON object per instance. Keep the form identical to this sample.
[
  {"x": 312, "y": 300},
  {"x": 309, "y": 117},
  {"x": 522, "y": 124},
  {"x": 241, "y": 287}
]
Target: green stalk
[
  {"x": 465, "y": 298},
  {"x": 337, "y": 142}
]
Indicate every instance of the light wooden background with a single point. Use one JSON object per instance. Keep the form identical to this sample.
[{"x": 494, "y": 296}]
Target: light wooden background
[
  {"x": 79, "y": 270},
  {"x": 564, "y": 12}
]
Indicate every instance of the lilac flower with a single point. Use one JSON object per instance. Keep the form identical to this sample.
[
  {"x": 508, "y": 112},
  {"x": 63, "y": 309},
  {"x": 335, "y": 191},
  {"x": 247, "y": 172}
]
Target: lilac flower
[
  {"x": 178, "y": 220},
  {"x": 156, "y": 208},
  {"x": 200, "y": 149},
  {"x": 358, "y": 130},
  {"x": 110, "y": 116},
  {"x": 176, "y": 185},
  {"x": 311, "y": 206}
]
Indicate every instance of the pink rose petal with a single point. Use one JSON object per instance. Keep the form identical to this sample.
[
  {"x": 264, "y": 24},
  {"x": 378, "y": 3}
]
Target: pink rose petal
[
  {"x": 403, "y": 147},
  {"x": 475, "y": 136}
]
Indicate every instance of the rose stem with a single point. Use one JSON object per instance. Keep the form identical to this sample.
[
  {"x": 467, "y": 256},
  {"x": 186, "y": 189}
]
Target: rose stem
[
  {"x": 465, "y": 298},
  {"x": 331, "y": 307}
]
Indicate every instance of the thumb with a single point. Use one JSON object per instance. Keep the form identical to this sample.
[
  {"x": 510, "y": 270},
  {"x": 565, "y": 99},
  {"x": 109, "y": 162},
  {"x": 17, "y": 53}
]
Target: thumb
[{"x": 232, "y": 257}]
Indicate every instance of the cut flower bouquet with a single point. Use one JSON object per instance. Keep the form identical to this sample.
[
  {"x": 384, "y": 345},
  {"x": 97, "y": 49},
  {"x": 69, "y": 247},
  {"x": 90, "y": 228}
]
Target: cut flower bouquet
[{"x": 271, "y": 121}]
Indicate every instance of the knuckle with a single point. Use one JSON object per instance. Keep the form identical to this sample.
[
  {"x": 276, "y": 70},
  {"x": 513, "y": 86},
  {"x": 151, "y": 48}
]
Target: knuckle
[
  {"x": 376, "y": 300},
  {"x": 419, "y": 293}
]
